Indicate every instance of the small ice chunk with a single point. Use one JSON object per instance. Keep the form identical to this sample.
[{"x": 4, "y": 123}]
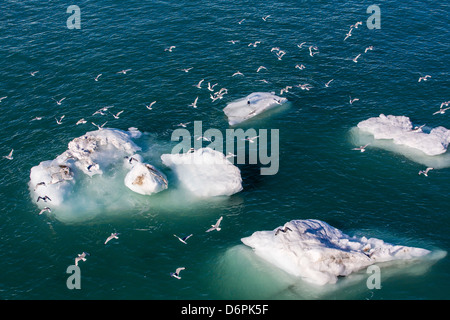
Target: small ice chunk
[
  {"x": 205, "y": 172},
  {"x": 145, "y": 179},
  {"x": 245, "y": 108},
  {"x": 320, "y": 253}
]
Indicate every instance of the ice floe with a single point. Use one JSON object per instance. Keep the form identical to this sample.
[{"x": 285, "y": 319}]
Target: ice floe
[
  {"x": 400, "y": 129},
  {"x": 319, "y": 253},
  {"x": 254, "y": 104},
  {"x": 205, "y": 172}
]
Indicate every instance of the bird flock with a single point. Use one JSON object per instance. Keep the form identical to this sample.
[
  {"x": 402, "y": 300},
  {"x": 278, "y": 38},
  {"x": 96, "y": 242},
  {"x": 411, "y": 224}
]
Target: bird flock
[{"x": 311, "y": 49}]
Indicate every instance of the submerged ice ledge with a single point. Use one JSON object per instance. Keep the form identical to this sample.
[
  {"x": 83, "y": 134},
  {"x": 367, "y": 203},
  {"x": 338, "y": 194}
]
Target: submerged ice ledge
[{"x": 320, "y": 253}]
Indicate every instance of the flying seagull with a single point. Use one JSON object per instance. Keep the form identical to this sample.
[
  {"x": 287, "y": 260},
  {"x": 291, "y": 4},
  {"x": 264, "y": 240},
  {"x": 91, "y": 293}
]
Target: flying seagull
[
  {"x": 361, "y": 148},
  {"x": 81, "y": 256},
  {"x": 424, "y": 78},
  {"x": 328, "y": 83},
  {"x": 425, "y": 172},
  {"x": 251, "y": 140},
  {"x": 81, "y": 121},
  {"x": 355, "y": 59},
  {"x": 184, "y": 238},
  {"x": 149, "y": 107},
  {"x": 45, "y": 198},
  {"x": 60, "y": 119},
  {"x": 116, "y": 116},
  {"x": 33, "y": 73},
  {"x": 215, "y": 226},
  {"x": 176, "y": 274},
  {"x": 124, "y": 71},
  {"x": 199, "y": 84},
  {"x": 2, "y": 98},
  {"x": 194, "y": 104},
  {"x": 169, "y": 48},
  {"x": 353, "y": 100},
  {"x": 112, "y": 236},
  {"x": 58, "y": 102},
  {"x": 284, "y": 230},
  {"x": 45, "y": 209},
  {"x": 10, "y": 155}
]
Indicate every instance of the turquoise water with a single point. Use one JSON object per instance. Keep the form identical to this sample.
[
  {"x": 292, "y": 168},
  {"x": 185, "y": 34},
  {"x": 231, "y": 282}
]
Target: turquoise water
[{"x": 377, "y": 193}]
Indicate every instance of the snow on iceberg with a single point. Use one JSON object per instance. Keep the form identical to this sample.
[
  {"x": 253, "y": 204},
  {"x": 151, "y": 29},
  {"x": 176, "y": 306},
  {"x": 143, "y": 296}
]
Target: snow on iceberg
[
  {"x": 205, "y": 172},
  {"x": 320, "y": 253},
  {"x": 245, "y": 108},
  {"x": 90, "y": 155},
  {"x": 401, "y": 131},
  {"x": 145, "y": 179}
]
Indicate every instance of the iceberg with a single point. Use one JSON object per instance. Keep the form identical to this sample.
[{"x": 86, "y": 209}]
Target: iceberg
[
  {"x": 205, "y": 172},
  {"x": 254, "y": 104},
  {"x": 319, "y": 253},
  {"x": 401, "y": 131},
  {"x": 93, "y": 154}
]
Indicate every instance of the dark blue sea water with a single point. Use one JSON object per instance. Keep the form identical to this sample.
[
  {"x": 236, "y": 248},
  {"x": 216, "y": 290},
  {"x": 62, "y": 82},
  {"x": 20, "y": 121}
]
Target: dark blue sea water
[{"x": 376, "y": 194}]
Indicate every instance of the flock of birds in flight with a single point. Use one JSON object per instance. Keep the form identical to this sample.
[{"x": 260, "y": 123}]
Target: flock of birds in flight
[{"x": 215, "y": 95}]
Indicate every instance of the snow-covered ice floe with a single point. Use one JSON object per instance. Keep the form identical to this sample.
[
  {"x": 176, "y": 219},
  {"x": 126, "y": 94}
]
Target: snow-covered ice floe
[
  {"x": 254, "y": 104},
  {"x": 319, "y": 253},
  {"x": 400, "y": 129},
  {"x": 205, "y": 172},
  {"x": 109, "y": 151}
]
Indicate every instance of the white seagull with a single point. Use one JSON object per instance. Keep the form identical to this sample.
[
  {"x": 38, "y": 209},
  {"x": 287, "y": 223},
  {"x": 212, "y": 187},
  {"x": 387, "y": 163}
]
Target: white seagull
[
  {"x": 169, "y": 48},
  {"x": 417, "y": 129},
  {"x": 33, "y": 73},
  {"x": 301, "y": 45},
  {"x": 10, "y": 155},
  {"x": 199, "y": 84},
  {"x": 116, "y": 116},
  {"x": 353, "y": 100},
  {"x": 355, "y": 59},
  {"x": 215, "y": 226},
  {"x": 99, "y": 127},
  {"x": 194, "y": 104},
  {"x": 124, "y": 71},
  {"x": 184, "y": 238},
  {"x": 149, "y": 107},
  {"x": 81, "y": 256},
  {"x": 425, "y": 172},
  {"x": 98, "y": 76},
  {"x": 60, "y": 119},
  {"x": 368, "y": 48},
  {"x": 260, "y": 68},
  {"x": 211, "y": 87},
  {"x": 328, "y": 83},
  {"x": 112, "y": 236},
  {"x": 36, "y": 118},
  {"x": 58, "y": 102},
  {"x": 300, "y": 66},
  {"x": 3, "y": 98},
  {"x": 81, "y": 121},
  {"x": 183, "y": 124},
  {"x": 424, "y": 78},
  {"x": 176, "y": 274},
  {"x": 237, "y": 73},
  {"x": 310, "y": 50},
  {"x": 45, "y": 209},
  {"x": 361, "y": 148},
  {"x": 441, "y": 111},
  {"x": 265, "y": 18},
  {"x": 251, "y": 140},
  {"x": 187, "y": 69}
]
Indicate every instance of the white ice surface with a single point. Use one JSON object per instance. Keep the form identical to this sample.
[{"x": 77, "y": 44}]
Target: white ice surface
[
  {"x": 320, "y": 253},
  {"x": 400, "y": 129},
  {"x": 88, "y": 156},
  {"x": 145, "y": 179},
  {"x": 241, "y": 110},
  {"x": 205, "y": 172}
]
